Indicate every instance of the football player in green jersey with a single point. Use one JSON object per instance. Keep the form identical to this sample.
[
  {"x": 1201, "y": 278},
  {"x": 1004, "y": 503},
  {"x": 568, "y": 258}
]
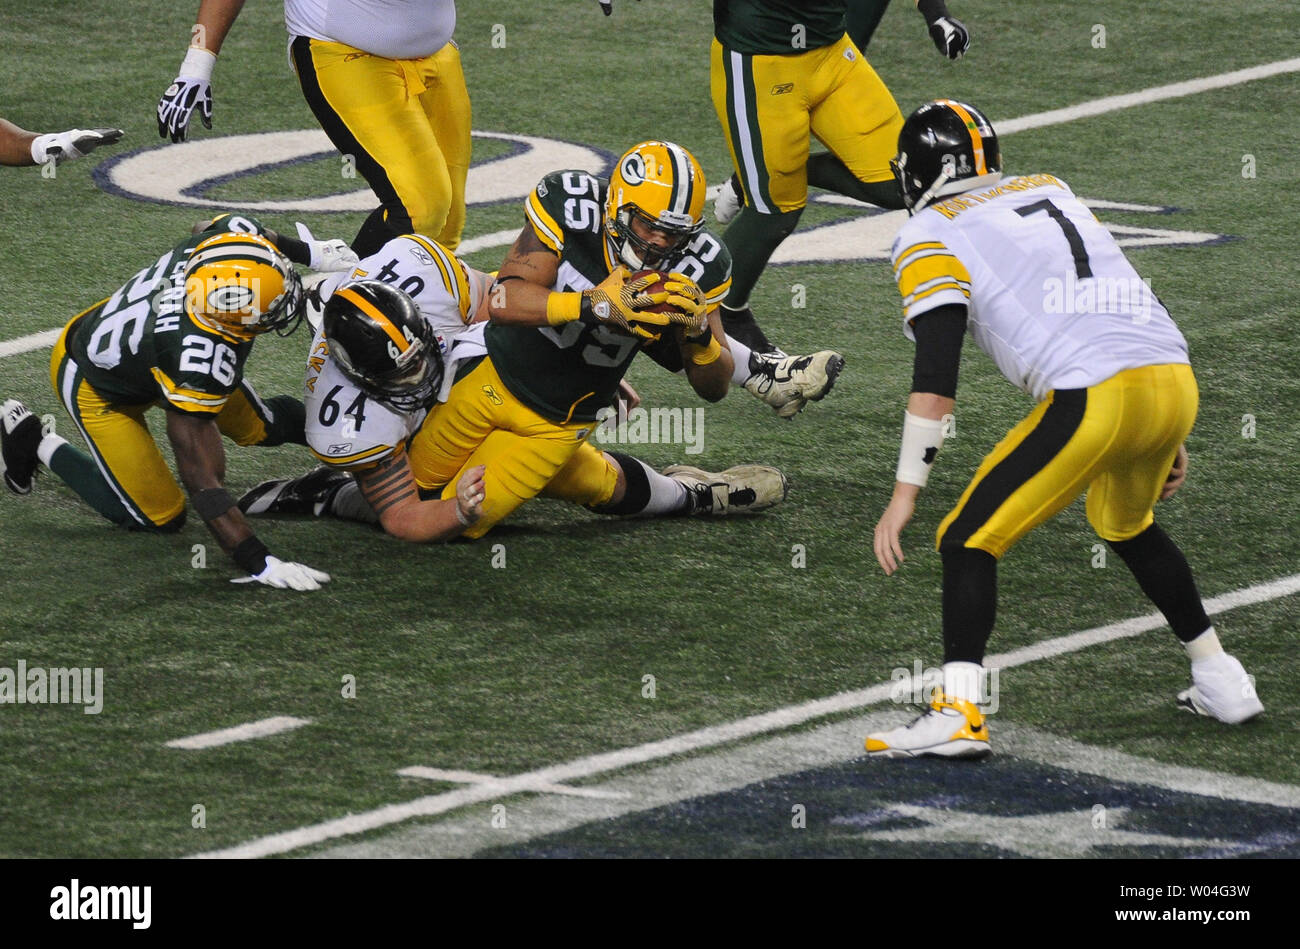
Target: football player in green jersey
[
  {"x": 580, "y": 229},
  {"x": 782, "y": 71},
  {"x": 566, "y": 318},
  {"x": 177, "y": 334}
]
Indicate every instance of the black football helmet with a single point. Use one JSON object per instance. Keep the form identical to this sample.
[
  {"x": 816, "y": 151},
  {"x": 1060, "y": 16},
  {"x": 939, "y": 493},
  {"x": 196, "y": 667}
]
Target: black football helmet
[
  {"x": 383, "y": 345},
  {"x": 945, "y": 147}
]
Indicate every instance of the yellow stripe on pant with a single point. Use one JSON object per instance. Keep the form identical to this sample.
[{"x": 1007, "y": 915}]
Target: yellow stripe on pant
[
  {"x": 482, "y": 423},
  {"x": 1116, "y": 439}
]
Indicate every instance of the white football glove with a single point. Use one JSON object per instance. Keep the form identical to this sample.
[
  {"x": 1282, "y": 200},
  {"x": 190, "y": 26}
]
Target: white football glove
[
  {"x": 191, "y": 89},
  {"x": 327, "y": 256},
  {"x": 286, "y": 575},
  {"x": 74, "y": 143}
]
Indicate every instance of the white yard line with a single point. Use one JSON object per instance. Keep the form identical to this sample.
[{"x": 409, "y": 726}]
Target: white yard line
[
  {"x": 245, "y": 732},
  {"x": 716, "y": 735},
  {"x": 470, "y": 777},
  {"x": 731, "y": 769},
  {"x": 25, "y": 344}
]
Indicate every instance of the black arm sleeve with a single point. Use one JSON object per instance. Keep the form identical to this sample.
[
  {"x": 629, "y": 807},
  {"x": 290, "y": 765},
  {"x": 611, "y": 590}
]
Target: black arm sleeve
[
  {"x": 939, "y": 333},
  {"x": 294, "y": 249}
]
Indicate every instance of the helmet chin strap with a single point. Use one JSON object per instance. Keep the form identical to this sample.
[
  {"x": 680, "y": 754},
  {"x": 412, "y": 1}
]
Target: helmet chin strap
[{"x": 931, "y": 192}]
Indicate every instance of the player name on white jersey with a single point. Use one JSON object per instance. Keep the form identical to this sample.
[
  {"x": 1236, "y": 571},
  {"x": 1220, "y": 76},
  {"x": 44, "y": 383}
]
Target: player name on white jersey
[{"x": 1049, "y": 294}]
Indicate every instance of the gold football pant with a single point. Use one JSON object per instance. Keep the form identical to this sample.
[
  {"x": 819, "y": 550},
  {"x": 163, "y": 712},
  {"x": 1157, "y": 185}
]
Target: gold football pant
[
  {"x": 1116, "y": 440},
  {"x": 524, "y": 454},
  {"x": 406, "y": 123},
  {"x": 769, "y": 105},
  {"x": 124, "y": 452}
]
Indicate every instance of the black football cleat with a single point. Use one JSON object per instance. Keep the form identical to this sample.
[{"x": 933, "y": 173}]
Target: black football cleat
[{"x": 20, "y": 436}]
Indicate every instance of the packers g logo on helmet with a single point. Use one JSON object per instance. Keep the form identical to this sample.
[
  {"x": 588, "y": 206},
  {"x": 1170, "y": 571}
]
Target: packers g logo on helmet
[
  {"x": 240, "y": 285},
  {"x": 662, "y": 186}
]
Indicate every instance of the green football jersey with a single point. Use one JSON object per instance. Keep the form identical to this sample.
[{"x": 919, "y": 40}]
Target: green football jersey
[
  {"x": 141, "y": 346},
  {"x": 572, "y": 371},
  {"x": 777, "y": 27}
]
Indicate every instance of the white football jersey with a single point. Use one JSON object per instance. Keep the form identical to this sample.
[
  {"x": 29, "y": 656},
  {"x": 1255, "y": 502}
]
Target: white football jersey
[
  {"x": 393, "y": 29},
  {"x": 1050, "y": 295},
  {"x": 346, "y": 428}
]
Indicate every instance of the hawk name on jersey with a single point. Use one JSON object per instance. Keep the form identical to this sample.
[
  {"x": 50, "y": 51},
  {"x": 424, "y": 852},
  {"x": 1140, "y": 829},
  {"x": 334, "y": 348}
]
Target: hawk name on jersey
[
  {"x": 1049, "y": 294},
  {"x": 570, "y": 373},
  {"x": 140, "y": 345}
]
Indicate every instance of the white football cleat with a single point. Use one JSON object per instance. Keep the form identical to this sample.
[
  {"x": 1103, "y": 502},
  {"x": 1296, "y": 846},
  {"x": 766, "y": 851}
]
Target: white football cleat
[
  {"x": 1221, "y": 689},
  {"x": 788, "y": 383},
  {"x": 729, "y": 201},
  {"x": 20, "y": 436},
  {"x": 742, "y": 489},
  {"x": 949, "y": 728}
]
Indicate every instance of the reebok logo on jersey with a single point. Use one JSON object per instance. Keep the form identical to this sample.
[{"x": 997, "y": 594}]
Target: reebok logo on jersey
[
  {"x": 781, "y": 88},
  {"x": 339, "y": 449}
]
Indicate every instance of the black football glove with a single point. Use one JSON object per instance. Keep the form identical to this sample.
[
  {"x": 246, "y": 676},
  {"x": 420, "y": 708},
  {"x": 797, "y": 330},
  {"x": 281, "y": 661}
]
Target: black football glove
[
  {"x": 949, "y": 33},
  {"x": 607, "y": 6}
]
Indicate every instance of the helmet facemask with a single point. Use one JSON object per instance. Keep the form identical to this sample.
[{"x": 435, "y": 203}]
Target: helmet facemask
[{"x": 637, "y": 252}]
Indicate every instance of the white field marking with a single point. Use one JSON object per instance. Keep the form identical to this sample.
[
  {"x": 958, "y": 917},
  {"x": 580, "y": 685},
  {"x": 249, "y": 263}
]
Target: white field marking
[
  {"x": 25, "y": 344},
  {"x": 259, "y": 729},
  {"x": 470, "y": 777},
  {"x": 826, "y": 746},
  {"x": 1038, "y": 120},
  {"x": 1128, "y": 100},
  {"x": 714, "y": 735}
]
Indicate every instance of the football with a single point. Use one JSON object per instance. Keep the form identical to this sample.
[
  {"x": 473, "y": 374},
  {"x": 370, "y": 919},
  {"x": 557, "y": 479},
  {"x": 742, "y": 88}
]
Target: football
[{"x": 656, "y": 287}]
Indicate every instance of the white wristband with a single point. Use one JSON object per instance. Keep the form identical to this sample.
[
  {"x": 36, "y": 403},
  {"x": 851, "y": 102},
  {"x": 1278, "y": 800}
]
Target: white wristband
[
  {"x": 39, "y": 145},
  {"x": 198, "y": 63},
  {"x": 464, "y": 520},
  {"x": 922, "y": 438}
]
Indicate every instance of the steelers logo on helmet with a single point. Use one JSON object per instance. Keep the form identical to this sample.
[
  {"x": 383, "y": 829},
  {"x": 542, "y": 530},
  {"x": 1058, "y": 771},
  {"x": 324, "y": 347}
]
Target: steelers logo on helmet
[
  {"x": 239, "y": 285},
  {"x": 945, "y": 147},
  {"x": 383, "y": 345},
  {"x": 654, "y": 206}
]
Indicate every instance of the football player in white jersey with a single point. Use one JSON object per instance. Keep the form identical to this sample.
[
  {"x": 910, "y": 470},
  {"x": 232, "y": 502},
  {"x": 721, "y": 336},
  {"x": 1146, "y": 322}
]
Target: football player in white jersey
[
  {"x": 384, "y": 79},
  {"x": 1041, "y": 286}
]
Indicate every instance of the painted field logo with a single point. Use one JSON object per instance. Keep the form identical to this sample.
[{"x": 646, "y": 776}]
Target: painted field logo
[
  {"x": 103, "y": 902},
  {"x": 191, "y": 172},
  {"x": 656, "y": 426},
  {"x": 53, "y": 686}
]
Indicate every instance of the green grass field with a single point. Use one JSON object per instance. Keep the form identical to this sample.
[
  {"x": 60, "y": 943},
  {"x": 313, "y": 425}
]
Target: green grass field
[{"x": 460, "y": 664}]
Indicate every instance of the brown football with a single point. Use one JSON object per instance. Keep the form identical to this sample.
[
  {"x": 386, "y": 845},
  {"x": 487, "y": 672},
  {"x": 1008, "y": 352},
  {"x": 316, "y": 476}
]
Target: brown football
[{"x": 656, "y": 287}]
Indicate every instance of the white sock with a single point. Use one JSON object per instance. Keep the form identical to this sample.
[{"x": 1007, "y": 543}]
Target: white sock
[
  {"x": 666, "y": 495},
  {"x": 961, "y": 680},
  {"x": 741, "y": 353},
  {"x": 48, "y": 446},
  {"x": 1204, "y": 646}
]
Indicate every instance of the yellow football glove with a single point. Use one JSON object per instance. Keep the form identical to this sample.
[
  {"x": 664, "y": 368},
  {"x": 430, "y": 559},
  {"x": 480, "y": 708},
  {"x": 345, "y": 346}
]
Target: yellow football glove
[
  {"x": 614, "y": 300},
  {"x": 682, "y": 293}
]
